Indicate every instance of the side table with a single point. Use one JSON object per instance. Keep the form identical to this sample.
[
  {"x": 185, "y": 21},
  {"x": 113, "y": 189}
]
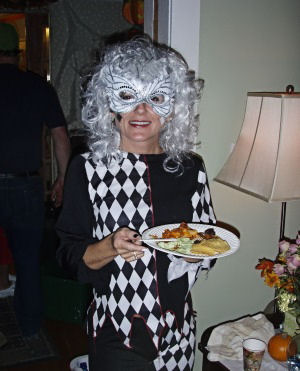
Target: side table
[{"x": 275, "y": 318}]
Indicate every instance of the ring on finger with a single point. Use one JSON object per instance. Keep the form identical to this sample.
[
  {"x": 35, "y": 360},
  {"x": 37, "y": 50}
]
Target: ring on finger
[{"x": 135, "y": 257}]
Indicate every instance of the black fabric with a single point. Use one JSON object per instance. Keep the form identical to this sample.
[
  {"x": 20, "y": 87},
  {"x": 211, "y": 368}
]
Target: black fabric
[
  {"x": 171, "y": 195},
  {"x": 171, "y": 191},
  {"x": 27, "y": 103},
  {"x": 107, "y": 353},
  {"x": 75, "y": 228}
]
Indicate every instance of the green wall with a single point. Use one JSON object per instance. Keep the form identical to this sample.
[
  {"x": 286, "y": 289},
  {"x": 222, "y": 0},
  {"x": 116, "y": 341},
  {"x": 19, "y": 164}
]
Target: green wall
[{"x": 245, "y": 45}]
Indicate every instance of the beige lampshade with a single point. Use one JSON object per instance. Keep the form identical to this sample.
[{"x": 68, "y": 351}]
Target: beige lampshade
[{"x": 265, "y": 161}]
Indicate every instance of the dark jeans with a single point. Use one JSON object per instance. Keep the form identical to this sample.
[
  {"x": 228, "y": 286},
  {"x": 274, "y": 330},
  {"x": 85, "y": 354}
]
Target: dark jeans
[{"x": 22, "y": 218}]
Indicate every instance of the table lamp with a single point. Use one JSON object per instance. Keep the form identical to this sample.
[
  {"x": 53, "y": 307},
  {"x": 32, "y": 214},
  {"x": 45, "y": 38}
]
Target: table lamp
[{"x": 265, "y": 161}]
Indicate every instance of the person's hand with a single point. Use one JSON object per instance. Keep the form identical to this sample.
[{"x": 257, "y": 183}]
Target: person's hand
[
  {"x": 57, "y": 192},
  {"x": 192, "y": 260},
  {"x": 127, "y": 244}
]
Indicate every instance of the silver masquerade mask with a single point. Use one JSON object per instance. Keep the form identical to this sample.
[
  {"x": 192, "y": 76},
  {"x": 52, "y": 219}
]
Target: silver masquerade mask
[{"x": 125, "y": 95}]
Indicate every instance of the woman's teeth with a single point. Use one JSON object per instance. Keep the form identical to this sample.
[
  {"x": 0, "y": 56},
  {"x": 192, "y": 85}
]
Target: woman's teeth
[{"x": 140, "y": 123}]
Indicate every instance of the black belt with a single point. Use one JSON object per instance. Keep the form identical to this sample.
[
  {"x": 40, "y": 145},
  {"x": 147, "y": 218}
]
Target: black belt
[{"x": 25, "y": 174}]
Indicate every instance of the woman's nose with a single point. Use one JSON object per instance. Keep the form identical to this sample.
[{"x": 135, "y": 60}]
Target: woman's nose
[{"x": 141, "y": 108}]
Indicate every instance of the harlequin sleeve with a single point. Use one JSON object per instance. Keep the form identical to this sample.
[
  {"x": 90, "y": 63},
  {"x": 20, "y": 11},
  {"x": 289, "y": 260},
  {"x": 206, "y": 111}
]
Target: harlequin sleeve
[{"x": 202, "y": 202}]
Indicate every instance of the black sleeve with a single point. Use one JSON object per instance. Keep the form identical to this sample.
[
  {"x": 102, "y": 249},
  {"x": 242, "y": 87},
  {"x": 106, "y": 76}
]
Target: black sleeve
[{"x": 75, "y": 227}]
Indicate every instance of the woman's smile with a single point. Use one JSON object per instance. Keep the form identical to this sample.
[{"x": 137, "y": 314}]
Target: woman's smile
[{"x": 139, "y": 124}]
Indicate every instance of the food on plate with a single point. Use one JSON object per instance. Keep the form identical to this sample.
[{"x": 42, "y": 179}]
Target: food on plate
[
  {"x": 182, "y": 231},
  {"x": 190, "y": 241},
  {"x": 210, "y": 247},
  {"x": 182, "y": 245},
  {"x": 185, "y": 231}
]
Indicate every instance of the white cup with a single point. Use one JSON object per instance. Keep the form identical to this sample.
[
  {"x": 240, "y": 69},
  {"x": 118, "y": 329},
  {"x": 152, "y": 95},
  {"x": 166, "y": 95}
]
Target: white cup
[{"x": 253, "y": 352}]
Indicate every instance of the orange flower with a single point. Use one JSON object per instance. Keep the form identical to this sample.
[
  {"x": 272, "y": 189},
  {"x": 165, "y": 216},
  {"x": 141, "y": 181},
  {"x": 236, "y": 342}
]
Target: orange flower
[
  {"x": 283, "y": 275},
  {"x": 289, "y": 286},
  {"x": 271, "y": 279},
  {"x": 265, "y": 265}
]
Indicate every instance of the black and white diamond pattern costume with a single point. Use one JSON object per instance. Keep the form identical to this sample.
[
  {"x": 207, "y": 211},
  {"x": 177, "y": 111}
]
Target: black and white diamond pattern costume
[{"x": 138, "y": 193}]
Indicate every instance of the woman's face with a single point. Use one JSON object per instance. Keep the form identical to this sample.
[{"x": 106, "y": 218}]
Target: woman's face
[{"x": 139, "y": 130}]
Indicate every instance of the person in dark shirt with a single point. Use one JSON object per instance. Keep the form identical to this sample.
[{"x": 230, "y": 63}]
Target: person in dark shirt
[
  {"x": 27, "y": 103},
  {"x": 139, "y": 173}
]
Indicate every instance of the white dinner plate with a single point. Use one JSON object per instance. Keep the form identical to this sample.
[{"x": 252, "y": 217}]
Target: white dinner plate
[{"x": 232, "y": 240}]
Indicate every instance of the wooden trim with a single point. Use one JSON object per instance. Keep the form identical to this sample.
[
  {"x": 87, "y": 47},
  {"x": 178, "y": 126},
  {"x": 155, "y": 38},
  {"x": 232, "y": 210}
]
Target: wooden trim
[{"x": 155, "y": 21}]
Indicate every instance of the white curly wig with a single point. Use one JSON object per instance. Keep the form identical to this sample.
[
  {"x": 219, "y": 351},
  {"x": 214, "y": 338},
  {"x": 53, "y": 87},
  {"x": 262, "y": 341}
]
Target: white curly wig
[{"x": 141, "y": 58}]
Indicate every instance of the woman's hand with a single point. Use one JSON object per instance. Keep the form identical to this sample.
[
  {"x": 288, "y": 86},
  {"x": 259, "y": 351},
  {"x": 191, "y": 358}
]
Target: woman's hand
[
  {"x": 124, "y": 242},
  {"x": 192, "y": 260},
  {"x": 127, "y": 244}
]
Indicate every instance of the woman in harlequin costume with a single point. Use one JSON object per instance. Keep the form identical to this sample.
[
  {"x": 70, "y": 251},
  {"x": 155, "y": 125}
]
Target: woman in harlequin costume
[{"x": 139, "y": 173}]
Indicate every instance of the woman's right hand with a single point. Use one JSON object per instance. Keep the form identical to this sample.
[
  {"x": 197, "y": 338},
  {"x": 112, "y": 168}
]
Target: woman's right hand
[
  {"x": 127, "y": 244},
  {"x": 124, "y": 242}
]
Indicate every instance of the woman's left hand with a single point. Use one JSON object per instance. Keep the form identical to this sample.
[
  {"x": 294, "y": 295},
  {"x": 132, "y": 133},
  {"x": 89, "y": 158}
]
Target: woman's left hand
[{"x": 191, "y": 260}]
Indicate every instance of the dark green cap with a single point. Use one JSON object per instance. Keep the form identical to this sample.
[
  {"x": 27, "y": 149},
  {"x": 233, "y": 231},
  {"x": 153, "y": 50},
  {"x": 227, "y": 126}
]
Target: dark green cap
[{"x": 9, "y": 38}]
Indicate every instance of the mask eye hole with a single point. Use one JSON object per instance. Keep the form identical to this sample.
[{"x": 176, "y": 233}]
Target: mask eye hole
[
  {"x": 158, "y": 99},
  {"x": 125, "y": 95}
]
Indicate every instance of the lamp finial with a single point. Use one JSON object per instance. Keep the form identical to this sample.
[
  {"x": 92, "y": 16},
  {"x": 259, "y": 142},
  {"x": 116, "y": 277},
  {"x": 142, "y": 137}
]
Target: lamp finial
[{"x": 290, "y": 89}]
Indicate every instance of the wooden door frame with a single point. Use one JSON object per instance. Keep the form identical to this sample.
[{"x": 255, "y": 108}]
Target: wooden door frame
[{"x": 175, "y": 23}]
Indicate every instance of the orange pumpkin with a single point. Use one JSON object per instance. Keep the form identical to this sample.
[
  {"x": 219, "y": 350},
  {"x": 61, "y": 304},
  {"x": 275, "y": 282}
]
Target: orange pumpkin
[
  {"x": 137, "y": 11},
  {"x": 278, "y": 345},
  {"x": 133, "y": 11},
  {"x": 127, "y": 11}
]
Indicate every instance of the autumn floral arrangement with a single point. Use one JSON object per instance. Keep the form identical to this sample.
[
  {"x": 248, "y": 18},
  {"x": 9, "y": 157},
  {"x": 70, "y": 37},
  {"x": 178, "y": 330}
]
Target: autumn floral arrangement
[{"x": 283, "y": 274}]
